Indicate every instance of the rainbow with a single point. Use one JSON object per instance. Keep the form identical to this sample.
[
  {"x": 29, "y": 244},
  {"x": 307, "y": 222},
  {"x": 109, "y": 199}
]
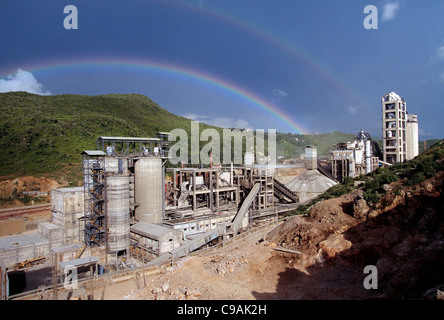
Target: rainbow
[
  {"x": 278, "y": 42},
  {"x": 178, "y": 71},
  {"x": 203, "y": 78}
]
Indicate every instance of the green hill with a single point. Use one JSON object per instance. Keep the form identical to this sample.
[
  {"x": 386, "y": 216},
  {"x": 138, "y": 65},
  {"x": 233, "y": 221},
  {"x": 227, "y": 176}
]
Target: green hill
[
  {"x": 38, "y": 134},
  {"x": 46, "y": 134},
  {"x": 293, "y": 146}
]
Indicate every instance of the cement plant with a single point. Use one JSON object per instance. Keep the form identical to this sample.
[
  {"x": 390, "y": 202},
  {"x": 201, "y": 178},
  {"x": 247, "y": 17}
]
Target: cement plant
[{"x": 137, "y": 222}]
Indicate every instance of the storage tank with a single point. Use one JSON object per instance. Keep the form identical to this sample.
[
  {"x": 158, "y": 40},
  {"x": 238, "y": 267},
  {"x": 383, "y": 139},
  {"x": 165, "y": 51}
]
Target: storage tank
[
  {"x": 412, "y": 144},
  {"x": 116, "y": 165},
  {"x": 368, "y": 157},
  {"x": 148, "y": 189},
  {"x": 311, "y": 157},
  {"x": 118, "y": 212}
]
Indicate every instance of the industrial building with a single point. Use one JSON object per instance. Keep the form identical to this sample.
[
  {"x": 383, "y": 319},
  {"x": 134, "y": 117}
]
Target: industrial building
[
  {"x": 355, "y": 158},
  {"x": 399, "y": 130},
  {"x": 312, "y": 182},
  {"x": 132, "y": 211}
]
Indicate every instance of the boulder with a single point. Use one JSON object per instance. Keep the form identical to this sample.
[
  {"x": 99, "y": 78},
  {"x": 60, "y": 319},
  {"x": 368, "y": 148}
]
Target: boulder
[
  {"x": 333, "y": 245},
  {"x": 360, "y": 206}
]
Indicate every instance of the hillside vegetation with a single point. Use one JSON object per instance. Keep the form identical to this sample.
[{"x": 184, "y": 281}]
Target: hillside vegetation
[
  {"x": 293, "y": 145},
  {"x": 375, "y": 185},
  {"x": 40, "y": 134},
  {"x": 46, "y": 134}
]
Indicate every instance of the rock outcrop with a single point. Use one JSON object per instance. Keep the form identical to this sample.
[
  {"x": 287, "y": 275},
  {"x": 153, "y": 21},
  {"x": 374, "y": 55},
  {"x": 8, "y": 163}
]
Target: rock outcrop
[{"x": 402, "y": 235}]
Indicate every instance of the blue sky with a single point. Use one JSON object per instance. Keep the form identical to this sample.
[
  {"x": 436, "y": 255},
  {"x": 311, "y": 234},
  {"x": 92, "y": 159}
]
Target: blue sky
[{"x": 290, "y": 65}]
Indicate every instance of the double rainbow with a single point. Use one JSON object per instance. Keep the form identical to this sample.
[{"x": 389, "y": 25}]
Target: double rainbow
[{"x": 189, "y": 74}]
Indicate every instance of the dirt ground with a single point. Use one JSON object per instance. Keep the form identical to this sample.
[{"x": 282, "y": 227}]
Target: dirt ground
[
  {"x": 10, "y": 190},
  {"x": 326, "y": 256},
  {"x": 250, "y": 269}
]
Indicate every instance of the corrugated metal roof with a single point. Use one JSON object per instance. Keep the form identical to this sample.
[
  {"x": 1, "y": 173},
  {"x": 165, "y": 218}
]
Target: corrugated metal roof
[
  {"x": 78, "y": 262},
  {"x": 150, "y": 230},
  {"x": 94, "y": 152},
  {"x": 72, "y": 189}
]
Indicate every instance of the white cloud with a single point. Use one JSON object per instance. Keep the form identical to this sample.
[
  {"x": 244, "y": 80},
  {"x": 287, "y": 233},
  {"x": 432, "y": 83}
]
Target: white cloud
[
  {"x": 22, "y": 81},
  {"x": 389, "y": 11},
  {"x": 424, "y": 133},
  {"x": 440, "y": 51},
  {"x": 441, "y": 77},
  {"x": 229, "y": 123},
  {"x": 220, "y": 122},
  {"x": 194, "y": 117},
  {"x": 278, "y": 95},
  {"x": 352, "y": 110}
]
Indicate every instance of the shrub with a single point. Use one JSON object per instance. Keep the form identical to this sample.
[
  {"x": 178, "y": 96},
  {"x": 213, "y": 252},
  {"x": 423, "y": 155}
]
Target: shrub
[{"x": 372, "y": 197}]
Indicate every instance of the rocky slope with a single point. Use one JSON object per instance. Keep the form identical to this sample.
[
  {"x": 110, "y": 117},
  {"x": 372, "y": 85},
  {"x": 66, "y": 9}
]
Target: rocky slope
[
  {"x": 393, "y": 221},
  {"x": 402, "y": 235}
]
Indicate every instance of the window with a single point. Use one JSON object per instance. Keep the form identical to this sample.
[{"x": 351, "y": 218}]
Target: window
[
  {"x": 390, "y": 106},
  {"x": 390, "y": 115},
  {"x": 391, "y": 134},
  {"x": 391, "y": 125}
]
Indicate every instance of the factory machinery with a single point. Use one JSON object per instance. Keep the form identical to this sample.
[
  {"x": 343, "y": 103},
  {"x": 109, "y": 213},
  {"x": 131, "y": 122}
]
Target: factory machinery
[
  {"x": 134, "y": 207},
  {"x": 356, "y": 158}
]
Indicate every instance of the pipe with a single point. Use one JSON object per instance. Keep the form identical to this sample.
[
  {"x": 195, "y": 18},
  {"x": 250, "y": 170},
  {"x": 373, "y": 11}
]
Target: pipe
[{"x": 368, "y": 153}]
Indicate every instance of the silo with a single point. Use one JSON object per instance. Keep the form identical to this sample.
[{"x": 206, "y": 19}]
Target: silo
[
  {"x": 116, "y": 165},
  {"x": 148, "y": 189},
  {"x": 368, "y": 157},
  {"x": 118, "y": 212},
  {"x": 311, "y": 157}
]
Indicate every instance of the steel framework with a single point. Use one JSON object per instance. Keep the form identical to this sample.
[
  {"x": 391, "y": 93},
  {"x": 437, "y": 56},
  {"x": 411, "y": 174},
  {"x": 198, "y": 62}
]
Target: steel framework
[
  {"x": 93, "y": 166},
  {"x": 136, "y": 147}
]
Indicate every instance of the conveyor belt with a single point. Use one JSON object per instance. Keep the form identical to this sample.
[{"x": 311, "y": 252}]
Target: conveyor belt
[{"x": 283, "y": 193}]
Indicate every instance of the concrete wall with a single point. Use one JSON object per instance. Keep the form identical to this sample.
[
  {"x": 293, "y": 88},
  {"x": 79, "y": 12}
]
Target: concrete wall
[
  {"x": 163, "y": 244},
  {"x": 51, "y": 231},
  {"x": 71, "y": 224},
  {"x": 67, "y": 206},
  {"x": 17, "y": 249},
  {"x": 67, "y": 200},
  {"x": 159, "y": 238}
]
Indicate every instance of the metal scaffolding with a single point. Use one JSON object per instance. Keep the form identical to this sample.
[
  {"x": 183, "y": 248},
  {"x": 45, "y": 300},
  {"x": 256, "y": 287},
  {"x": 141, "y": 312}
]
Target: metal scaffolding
[
  {"x": 136, "y": 147},
  {"x": 93, "y": 166}
]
